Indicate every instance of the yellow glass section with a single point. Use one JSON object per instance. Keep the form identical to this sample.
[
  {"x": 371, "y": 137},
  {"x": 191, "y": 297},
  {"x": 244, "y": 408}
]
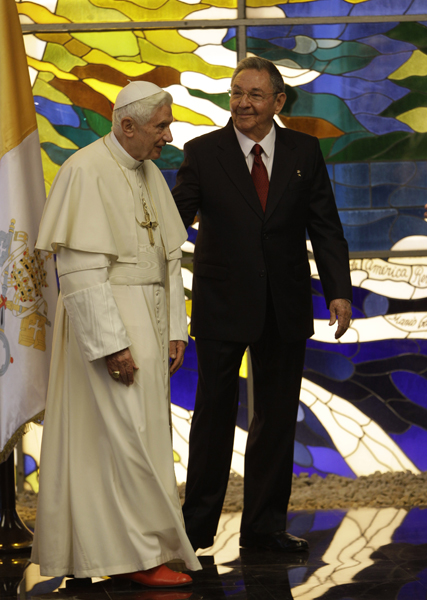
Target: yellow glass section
[
  {"x": 57, "y": 54},
  {"x": 109, "y": 90},
  {"x": 181, "y": 62},
  {"x": 116, "y": 43},
  {"x": 78, "y": 11},
  {"x": 416, "y": 119},
  {"x": 50, "y": 169},
  {"x": 181, "y": 113},
  {"x": 39, "y": 14},
  {"x": 130, "y": 68},
  {"x": 243, "y": 372},
  {"x": 415, "y": 66},
  {"x": 170, "y": 41},
  {"x": 42, "y": 88},
  {"x": 152, "y": 10},
  {"x": 39, "y": 65}
]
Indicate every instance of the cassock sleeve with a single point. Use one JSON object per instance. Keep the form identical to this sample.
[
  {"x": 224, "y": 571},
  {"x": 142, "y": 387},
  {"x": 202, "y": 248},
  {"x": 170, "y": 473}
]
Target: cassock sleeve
[
  {"x": 89, "y": 302},
  {"x": 178, "y": 313}
]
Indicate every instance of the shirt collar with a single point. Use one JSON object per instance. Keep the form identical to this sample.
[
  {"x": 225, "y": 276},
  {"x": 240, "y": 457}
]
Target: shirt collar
[
  {"x": 247, "y": 144},
  {"x": 127, "y": 160}
]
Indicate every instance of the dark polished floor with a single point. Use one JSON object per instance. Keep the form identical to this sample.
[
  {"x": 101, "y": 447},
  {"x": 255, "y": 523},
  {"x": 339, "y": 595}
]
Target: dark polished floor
[{"x": 362, "y": 553}]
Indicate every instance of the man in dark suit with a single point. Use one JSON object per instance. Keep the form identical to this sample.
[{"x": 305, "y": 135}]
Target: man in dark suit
[{"x": 257, "y": 188}]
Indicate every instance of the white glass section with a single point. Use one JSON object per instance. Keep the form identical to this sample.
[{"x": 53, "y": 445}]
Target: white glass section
[
  {"x": 182, "y": 97},
  {"x": 272, "y": 12},
  {"x": 204, "y": 36},
  {"x": 183, "y": 132},
  {"x": 413, "y": 242},
  {"x": 213, "y": 13},
  {"x": 34, "y": 47},
  {"x": 217, "y": 55},
  {"x": 198, "y": 81}
]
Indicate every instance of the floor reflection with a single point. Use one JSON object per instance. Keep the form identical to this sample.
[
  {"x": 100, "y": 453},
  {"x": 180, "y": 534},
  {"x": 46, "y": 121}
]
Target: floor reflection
[{"x": 362, "y": 553}]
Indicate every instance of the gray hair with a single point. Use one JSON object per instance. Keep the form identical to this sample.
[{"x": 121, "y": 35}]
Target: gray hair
[
  {"x": 262, "y": 64},
  {"x": 141, "y": 111}
]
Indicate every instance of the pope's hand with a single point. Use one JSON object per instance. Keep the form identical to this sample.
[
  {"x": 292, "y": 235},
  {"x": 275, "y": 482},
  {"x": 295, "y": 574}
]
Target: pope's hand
[
  {"x": 176, "y": 354},
  {"x": 340, "y": 310},
  {"x": 121, "y": 366}
]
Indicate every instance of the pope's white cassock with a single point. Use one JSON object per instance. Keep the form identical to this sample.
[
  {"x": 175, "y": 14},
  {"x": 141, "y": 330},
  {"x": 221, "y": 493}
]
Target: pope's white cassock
[{"x": 108, "y": 500}]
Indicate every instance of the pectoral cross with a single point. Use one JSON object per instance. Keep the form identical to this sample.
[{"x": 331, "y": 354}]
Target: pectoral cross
[{"x": 148, "y": 224}]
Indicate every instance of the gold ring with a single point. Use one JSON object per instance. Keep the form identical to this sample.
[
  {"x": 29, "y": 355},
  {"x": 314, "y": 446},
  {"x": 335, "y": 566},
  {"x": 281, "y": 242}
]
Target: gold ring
[{"x": 116, "y": 374}]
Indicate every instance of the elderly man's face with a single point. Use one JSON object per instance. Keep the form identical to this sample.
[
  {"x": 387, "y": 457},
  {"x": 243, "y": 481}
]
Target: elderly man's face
[
  {"x": 148, "y": 140},
  {"x": 254, "y": 116}
]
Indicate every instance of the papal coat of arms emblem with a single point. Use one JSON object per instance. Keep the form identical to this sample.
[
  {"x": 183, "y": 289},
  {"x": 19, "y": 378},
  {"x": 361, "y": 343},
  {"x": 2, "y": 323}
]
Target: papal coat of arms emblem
[{"x": 22, "y": 279}]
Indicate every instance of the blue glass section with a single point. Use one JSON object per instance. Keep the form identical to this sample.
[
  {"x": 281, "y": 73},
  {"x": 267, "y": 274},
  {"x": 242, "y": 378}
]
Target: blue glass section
[
  {"x": 332, "y": 31},
  {"x": 387, "y": 7},
  {"x": 302, "y": 456},
  {"x": 406, "y": 226},
  {"x": 364, "y": 217},
  {"x": 420, "y": 179},
  {"x": 352, "y": 197},
  {"x": 371, "y": 237},
  {"x": 413, "y": 590},
  {"x": 231, "y": 33},
  {"x": 268, "y": 32},
  {"x": 349, "y": 350},
  {"x": 327, "y": 519},
  {"x": 384, "y": 349},
  {"x": 409, "y": 197},
  {"x": 320, "y": 8},
  {"x": 349, "y": 87},
  {"x": 329, "y": 364},
  {"x": 288, "y": 43},
  {"x": 330, "y": 461},
  {"x": 297, "y": 576},
  {"x": 320, "y": 310},
  {"x": 170, "y": 176},
  {"x": 392, "y": 172},
  {"x": 410, "y": 443},
  {"x": 316, "y": 426},
  {"x": 369, "y": 103},
  {"x": 30, "y": 465},
  {"x": 375, "y": 305},
  {"x": 381, "y": 194},
  {"x": 355, "y": 31},
  {"x": 183, "y": 388},
  {"x": 352, "y": 174},
  {"x": 57, "y": 114},
  {"x": 192, "y": 234},
  {"x": 412, "y": 385},
  {"x": 330, "y": 169},
  {"x": 380, "y": 66},
  {"x": 418, "y": 8},
  {"x": 386, "y": 45},
  {"x": 412, "y": 529},
  {"x": 382, "y": 125}
]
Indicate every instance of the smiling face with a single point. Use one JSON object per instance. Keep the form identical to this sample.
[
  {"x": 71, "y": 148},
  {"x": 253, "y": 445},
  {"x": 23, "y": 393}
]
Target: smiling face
[
  {"x": 254, "y": 119},
  {"x": 146, "y": 141}
]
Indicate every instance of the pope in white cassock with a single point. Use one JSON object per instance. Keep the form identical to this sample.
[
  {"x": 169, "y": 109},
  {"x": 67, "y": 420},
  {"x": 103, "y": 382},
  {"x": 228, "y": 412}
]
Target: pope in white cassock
[{"x": 108, "y": 501}]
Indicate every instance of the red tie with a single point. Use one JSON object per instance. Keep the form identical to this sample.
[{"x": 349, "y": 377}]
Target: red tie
[{"x": 260, "y": 175}]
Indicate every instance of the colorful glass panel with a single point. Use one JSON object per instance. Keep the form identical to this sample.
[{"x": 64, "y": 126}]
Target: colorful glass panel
[
  {"x": 123, "y": 11},
  {"x": 268, "y": 9}
]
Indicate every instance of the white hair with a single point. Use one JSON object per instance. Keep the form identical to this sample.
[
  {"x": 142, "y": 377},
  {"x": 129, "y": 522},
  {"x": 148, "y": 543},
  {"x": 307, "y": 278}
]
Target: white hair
[{"x": 141, "y": 111}]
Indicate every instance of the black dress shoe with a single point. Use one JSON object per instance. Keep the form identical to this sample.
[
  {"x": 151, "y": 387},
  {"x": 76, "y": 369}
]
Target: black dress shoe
[{"x": 281, "y": 541}]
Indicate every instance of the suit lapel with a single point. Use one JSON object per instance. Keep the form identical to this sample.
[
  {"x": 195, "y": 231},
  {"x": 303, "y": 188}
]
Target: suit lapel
[
  {"x": 283, "y": 166},
  {"x": 233, "y": 162}
]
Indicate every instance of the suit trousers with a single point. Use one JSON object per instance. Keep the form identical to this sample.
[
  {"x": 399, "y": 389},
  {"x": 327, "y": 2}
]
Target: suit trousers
[{"x": 277, "y": 367}]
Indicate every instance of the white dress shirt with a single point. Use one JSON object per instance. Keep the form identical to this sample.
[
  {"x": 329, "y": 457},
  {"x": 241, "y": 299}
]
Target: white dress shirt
[{"x": 267, "y": 144}]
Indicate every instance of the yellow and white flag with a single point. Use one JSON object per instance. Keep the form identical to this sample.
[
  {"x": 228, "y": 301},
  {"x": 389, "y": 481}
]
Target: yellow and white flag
[{"x": 27, "y": 280}]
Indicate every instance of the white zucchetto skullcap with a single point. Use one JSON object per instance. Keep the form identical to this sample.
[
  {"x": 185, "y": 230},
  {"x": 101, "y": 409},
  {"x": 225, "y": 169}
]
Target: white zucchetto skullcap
[{"x": 136, "y": 90}]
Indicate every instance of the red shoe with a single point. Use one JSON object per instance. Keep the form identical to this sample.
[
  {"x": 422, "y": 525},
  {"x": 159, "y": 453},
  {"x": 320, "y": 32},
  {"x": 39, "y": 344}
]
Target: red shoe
[{"x": 160, "y": 576}]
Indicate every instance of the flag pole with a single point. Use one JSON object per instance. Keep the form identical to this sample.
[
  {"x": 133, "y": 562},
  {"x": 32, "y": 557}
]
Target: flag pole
[{"x": 14, "y": 534}]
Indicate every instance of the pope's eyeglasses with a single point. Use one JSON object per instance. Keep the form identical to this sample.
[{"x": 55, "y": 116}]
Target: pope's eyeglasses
[{"x": 237, "y": 94}]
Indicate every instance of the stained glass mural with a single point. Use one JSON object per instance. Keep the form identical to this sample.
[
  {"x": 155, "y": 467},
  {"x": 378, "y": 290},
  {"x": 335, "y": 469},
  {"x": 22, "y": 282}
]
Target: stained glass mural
[
  {"x": 361, "y": 88},
  {"x": 332, "y": 8}
]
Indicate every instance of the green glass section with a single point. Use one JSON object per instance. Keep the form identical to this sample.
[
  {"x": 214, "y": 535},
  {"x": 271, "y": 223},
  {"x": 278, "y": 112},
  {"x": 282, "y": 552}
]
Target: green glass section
[
  {"x": 376, "y": 149},
  {"x": 409, "y": 102},
  {"x": 345, "y": 50},
  {"x": 81, "y": 137},
  {"x": 345, "y": 140},
  {"x": 328, "y": 107},
  {"x": 56, "y": 154},
  {"x": 413, "y": 33},
  {"x": 414, "y": 83},
  {"x": 59, "y": 55},
  {"x": 171, "y": 158},
  {"x": 347, "y": 64},
  {"x": 100, "y": 125},
  {"x": 231, "y": 44},
  {"x": 326, "y": 145},
  {"x": 83, "y": 121},
  {"x": 221, "y": 100}
]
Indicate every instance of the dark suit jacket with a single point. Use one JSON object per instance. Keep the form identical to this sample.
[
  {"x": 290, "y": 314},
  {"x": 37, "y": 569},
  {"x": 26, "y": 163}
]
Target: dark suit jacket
[{"x": 239, "y": 248}]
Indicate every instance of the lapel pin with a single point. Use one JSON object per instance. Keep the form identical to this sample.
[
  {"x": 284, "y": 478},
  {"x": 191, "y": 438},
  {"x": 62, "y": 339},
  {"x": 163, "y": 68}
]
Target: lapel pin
[{"x": 298, "y": 173}]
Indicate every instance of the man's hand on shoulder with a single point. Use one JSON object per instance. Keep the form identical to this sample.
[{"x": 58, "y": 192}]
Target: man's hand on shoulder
[
  {"x": 176, "y": 354},
  {"x": 121, "y": 366},
  {"x": 340, "y": 310}
]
